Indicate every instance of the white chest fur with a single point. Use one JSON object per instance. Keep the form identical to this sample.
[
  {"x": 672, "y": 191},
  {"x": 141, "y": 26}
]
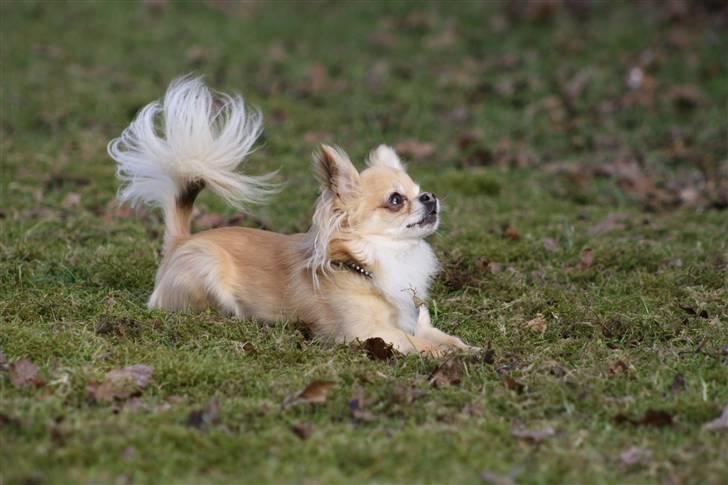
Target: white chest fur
[{"x": 404, "y": 270}]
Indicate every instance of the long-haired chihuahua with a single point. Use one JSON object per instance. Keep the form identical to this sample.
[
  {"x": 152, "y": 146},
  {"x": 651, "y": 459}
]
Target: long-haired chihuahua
[{"x": 361, "y": 271}]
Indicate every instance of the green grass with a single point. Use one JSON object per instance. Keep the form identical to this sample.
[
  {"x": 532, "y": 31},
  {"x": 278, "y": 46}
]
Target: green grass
[{"x": 73, "y": 75}]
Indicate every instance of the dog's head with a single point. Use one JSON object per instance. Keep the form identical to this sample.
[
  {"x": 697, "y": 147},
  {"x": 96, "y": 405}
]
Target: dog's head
[{"x": 381, "y": 201}]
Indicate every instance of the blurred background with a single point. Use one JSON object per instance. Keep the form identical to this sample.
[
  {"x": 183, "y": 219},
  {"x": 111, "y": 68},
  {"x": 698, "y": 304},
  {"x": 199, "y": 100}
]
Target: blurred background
[{"x": 631, "y": 92}]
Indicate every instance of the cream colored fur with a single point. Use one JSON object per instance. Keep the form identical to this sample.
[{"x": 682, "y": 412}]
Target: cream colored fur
[{"x": 377, "y": 218}]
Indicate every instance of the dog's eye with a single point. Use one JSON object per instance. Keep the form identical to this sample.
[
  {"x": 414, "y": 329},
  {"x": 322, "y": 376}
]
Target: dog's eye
[{"x": 395, "y": 200}]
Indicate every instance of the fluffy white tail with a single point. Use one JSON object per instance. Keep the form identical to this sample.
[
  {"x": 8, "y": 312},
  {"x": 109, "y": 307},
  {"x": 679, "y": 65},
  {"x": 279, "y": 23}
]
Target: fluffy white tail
[{"x": 192, "y": 138}]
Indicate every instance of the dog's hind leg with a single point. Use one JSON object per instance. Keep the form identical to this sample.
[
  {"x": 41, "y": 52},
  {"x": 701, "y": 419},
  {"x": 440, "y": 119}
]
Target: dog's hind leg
[{"x": 196, "y": 276}]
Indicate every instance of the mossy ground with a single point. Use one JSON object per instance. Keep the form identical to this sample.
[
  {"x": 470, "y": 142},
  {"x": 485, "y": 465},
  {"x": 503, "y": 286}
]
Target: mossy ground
[{"x": 643, "y": 327}]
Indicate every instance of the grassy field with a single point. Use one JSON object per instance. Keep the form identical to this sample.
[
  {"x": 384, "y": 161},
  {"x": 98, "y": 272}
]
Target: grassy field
[{"x": 581, "y": 153}]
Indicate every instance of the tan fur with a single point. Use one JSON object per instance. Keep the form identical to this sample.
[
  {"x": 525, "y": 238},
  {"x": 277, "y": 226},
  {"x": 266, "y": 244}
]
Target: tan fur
[{"x": 263, "y": 275}]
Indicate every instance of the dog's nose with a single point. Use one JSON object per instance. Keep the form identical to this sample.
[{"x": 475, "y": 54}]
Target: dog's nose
[{"x": 427, "y": 197}]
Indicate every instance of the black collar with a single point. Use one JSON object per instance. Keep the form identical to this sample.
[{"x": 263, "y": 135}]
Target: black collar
[{"x": 355, "y": 267}]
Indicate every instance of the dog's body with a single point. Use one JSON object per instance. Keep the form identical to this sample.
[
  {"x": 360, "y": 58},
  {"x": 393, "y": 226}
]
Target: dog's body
[{"x": 358, "y": 273}]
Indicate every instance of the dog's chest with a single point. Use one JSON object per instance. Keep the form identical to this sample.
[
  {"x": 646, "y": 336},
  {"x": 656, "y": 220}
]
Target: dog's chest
[{"x": 404, "y": 272}]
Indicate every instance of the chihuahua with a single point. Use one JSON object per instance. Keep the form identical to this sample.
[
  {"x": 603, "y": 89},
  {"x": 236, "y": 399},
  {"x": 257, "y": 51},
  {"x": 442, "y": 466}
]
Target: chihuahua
[{"x": 361, "y": 271}]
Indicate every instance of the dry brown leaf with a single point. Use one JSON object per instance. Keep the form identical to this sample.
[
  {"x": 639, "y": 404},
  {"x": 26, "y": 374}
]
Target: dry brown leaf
[
  {"x": 496, "y": 478},
  {"x": 617, "y": 368},
  {"x": 357, "y": 405},
  {"x": 720, "y": 423},
  {"x": 72, "y": 199},
  {"x": 613, "y": 222},
  {"x": 316, "y": 80},
  {"x": 448, "y": 373},
  {"x": 120, "y": 384},
  {"x": 24, "y": 373},
  {"x": 551, "y": 244},
  {"x": 510, "y": 232},
  {"x": 537, "y": 324},
  {"x": 446, "y": 38},
  {"x": 634, "y": 456},
  {"x": 303, "y": 430},
  {"x": 377, "y": 349},
  {"x": 416, "y": 149},
  {"x": 315, "y": 393},
  {"x": 533, "y": 435},
  {"x": 473, "y": 409},
  {"x": 651, "y": 417},
  {"x": 486, "y": 266},
  {"x": 678, "y": 384},
  {"x": 586, "y": 259},
  {"x": 382, "y": 38},
  {"x": 206, "y": 416},
  {"x": 513, "y": 385},
  {"x": 685, "y": 97}
]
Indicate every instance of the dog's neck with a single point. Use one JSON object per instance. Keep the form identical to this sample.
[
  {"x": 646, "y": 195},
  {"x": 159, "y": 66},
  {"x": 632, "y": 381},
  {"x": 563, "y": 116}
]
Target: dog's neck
[
  {"x": 401, "y": 269},
  {"x": 353, "y": 266}
]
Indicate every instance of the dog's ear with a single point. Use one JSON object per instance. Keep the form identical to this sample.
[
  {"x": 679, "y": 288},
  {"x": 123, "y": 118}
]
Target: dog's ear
[
  {"x": 335, "y": 172},
  {"x": 385, "y": 156}
]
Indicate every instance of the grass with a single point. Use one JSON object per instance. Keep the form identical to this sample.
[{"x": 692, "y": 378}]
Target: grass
[{"x": 643, "y": 327}]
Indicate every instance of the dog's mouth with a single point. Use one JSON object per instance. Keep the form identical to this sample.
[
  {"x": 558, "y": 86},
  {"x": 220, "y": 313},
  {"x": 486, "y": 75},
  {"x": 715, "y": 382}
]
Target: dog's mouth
[{"x": 430, "y": 218}]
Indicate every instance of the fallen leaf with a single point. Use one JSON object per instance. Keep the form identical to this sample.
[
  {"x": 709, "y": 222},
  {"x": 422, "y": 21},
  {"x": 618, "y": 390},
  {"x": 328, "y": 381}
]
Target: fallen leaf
[
  {"x": 486, "y": 355},
  {"x": 473, "y": 409},
  {"x": 720, "y": 423},
  {"x": 586, "y": 259},
  {"x": 316, "y": 80},
  {"x": 537, "y": 324},
  {"x": 692, "y": 311},
  {"x": 678, "y": 384},
  {"x": 486, "y": 266},
  {"x": 382, "y": 38},
  {"x": 551, "y": 244},
  {"x": 613, "y": 222},
  {"x": 510, "y": 232},
  {"x": 205, "y": 417},
  {"x": 123, "y": 327},
  {"x": 317, "y": 137},
  {"x": 315, "y": 393},
  {"x": 24, "y": 373},
  {"x": 685, "y": 97},
  {"x": 405, "y": 394},
  {"x": 357, "y": 405},
  {"x": 416, "y": 149},
  {"x": 448, "y": 373},
  {"x": 513, "y": 385},
  {"x": 446, "y": 38},
  {"x": 634, "y": 456},
  {"x": 617, "y": 368},
  {"x": 197, "y": 55},
  {"x": 576, "y": 85},
  {"x": 495, "y": 478},
  {"x": 635, "y": 77},
  {"x": 72, "y": 199},
  {"x": 377, "y": 76},
  {"x": 129, "y": 453},
  {"x": 303, "y": 430},
  {"x": 120, "y": 384},
  {"x": 651, "y": 417},
  {"x": 155, "y": 5},
  {"x": 533, "y": 435},
  {"x": 377, "y": 349}
]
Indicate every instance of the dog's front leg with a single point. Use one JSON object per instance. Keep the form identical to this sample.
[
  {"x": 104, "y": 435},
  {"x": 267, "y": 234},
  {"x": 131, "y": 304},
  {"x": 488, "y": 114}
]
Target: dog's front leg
[{"x": 425, "y": 330}]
